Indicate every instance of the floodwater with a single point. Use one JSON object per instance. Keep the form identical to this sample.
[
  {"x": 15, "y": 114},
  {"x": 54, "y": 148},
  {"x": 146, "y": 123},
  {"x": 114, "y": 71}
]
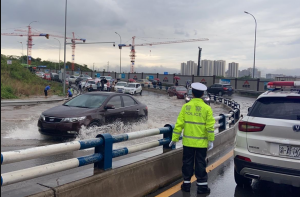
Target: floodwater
[{"x": 19, "y": 124}]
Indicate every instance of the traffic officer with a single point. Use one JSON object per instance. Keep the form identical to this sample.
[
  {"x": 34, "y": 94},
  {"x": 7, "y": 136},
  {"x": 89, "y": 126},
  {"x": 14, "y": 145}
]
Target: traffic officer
[{"x": 196, "y": 118}]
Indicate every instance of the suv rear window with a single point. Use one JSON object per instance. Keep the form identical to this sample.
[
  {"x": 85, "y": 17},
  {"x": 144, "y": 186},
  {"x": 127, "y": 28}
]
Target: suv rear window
[{"x": 277, "y": 107}]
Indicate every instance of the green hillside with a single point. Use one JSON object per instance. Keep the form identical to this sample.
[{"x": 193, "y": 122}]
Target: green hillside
[{"x": 17, "y": 81}]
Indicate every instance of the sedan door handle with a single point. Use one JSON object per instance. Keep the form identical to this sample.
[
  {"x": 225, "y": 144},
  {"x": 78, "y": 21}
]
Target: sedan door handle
[{"x": 122, "y": 113}]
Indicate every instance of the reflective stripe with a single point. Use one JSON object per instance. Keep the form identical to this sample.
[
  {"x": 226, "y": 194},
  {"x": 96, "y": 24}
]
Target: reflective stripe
[
  {"x": 200, "y": 123},
  {"x": 186, "y": 181},
  {"x": 210, "y": 131},
  {"x": 198, "y": 138},
  {"x": 202, "y": 183},
  {"x": 176, "y": 133}
]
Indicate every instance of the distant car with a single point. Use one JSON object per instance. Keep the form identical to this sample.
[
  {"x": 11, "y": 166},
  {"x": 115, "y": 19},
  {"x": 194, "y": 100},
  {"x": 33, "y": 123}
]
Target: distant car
[
  {"x": 221, "y": 89},
  {"x": 90, "y": 82},
  {"x": 82, "y": 79},
  {"x": 143, "y": 81},
  {"x": 84, "y": 75},
  {"x": 133, "y": 88},
  {"x": 72, "y": 79},
  {"x": 119, "y": 87},
  {"x": 189, "y": 96},
  {"x": 179, "y": 91},
  {"x": 40, "y": 74},
  {"x": 91, "y": 110},
  {"x": 109, "y": 78},
  {"x": 54, "y": 76}
]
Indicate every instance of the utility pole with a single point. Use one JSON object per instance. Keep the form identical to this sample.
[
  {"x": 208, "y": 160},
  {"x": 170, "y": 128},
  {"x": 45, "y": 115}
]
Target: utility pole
[
  {"x": 199, "y": 57},
  {"x": 108, "y": 66},
  {"x": 65, "y": 50},
  {"x": 93, "y": 67}
]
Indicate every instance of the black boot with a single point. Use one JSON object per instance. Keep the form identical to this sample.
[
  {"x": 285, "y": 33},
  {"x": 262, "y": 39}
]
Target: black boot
[
  {"x": 203, "y": 189},
  {"x": 186, "y": 187}
]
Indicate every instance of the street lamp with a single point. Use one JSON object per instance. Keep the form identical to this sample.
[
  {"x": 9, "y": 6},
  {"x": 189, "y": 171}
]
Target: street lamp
[
  {"x": 254, "y": 43},
  {"x": 65, "y": 44},
  {"x": 58, "y": 53},
  {"x": 28, "y": 39},
  {"x": 22, "y": 51},
  {"x": 120, "y": 50}
]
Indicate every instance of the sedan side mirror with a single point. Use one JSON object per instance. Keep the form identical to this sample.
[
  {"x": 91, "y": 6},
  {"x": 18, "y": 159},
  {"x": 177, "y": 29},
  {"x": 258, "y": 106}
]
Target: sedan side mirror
[{"x": 109, "y": 107}]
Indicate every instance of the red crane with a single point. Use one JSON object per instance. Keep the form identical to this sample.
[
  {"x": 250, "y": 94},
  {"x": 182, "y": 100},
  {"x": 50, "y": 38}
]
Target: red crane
[
  {"x": 73, "y": 39},
  {"x": 30, "y": 34},
  {"x": 133, "y": 45}
]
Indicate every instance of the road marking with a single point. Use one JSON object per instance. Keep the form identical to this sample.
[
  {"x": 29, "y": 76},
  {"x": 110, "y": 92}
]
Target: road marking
[{"x": 177, "y": 187}]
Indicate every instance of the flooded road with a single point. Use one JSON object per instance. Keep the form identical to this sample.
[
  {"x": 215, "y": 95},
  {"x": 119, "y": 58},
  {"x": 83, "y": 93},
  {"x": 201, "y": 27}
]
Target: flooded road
[{"x": 19, "y": 130}]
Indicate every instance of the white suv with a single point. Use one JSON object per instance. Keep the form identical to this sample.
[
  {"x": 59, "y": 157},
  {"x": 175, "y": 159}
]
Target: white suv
[
  {"x": 133, "y": 88},
  {"x": 267, "y": 144}
]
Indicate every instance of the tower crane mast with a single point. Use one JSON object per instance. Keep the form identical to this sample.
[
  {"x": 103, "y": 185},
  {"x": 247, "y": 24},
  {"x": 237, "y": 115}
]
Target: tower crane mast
[
  {"x": 30, "y": 34},
  {"x": 133, "y": 45}
]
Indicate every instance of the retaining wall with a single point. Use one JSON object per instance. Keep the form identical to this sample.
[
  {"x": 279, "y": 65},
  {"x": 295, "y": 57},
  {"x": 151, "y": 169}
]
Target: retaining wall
[{"x": 136, "y": 179}]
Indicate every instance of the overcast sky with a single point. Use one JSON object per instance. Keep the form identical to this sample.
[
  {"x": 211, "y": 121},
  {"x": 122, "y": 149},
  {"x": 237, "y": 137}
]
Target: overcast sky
[{"x": 230, "y": 31}]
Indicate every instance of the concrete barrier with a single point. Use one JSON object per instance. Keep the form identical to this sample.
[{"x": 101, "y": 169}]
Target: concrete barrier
[{"x": 136, "y": 179}]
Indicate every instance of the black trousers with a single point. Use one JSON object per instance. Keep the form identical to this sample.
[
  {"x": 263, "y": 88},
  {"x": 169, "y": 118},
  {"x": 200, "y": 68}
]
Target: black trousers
[{"x": 195, "y": 156}]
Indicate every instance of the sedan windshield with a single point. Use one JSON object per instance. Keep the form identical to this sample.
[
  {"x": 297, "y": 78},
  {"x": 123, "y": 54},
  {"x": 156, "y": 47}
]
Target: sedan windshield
[
  {"x": 87, "y": 101},
  {"x": 121, "y": 84}
]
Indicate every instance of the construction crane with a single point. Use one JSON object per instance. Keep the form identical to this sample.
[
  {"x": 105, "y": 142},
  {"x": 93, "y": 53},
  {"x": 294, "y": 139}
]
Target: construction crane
[
  {"x": 30, "y": 34},
  {"x": 73, "y": 39},
  {"x": 133, "y": 45}
]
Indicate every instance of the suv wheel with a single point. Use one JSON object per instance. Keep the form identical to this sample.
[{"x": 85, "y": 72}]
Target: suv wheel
[{"x": 242, "y": 181}]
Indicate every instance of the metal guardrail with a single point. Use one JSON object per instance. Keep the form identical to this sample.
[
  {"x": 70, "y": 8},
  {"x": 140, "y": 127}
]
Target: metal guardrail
[{"x": 103, "y": 150}]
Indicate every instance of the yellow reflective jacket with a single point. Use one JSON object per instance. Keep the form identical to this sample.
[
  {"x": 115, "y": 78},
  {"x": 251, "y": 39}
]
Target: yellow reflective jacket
[{"x": 196, "y": 118}]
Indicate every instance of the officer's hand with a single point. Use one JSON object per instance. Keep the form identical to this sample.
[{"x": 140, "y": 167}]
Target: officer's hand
[
  {"x": 172, "y": 143},
  {"x": 210, "y": 145}
]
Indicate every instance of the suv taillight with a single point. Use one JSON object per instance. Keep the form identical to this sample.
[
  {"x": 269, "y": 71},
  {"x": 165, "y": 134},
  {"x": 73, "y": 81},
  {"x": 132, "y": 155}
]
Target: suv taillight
[
  {"x": 225, "y": 88},
  {"x": 243, "y": 158},
  {"x": 250, "y": 126}
]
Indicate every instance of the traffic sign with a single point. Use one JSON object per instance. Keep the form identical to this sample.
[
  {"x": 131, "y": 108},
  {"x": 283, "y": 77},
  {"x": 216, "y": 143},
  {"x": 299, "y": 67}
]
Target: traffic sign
[
  {"x": 98, "y": 75},
  {"x": 151, "y": 77},
  {"x": 123, "y": 76},
  {"x": 166, "y": 73}
]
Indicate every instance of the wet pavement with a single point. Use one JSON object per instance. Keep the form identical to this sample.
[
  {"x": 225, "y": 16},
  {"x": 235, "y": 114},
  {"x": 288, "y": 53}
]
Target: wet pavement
[
  {"x": 19, "y": 130},
  {"x": 222, "y": 184}
]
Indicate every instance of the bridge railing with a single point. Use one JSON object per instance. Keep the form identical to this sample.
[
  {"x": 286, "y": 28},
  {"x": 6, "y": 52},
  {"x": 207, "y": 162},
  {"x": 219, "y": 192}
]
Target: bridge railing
[{"x": 103, "y": 150}]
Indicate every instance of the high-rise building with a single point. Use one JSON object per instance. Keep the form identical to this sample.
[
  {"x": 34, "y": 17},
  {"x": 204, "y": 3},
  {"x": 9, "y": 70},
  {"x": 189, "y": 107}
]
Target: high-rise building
[
  {"x": 244, "y": 73},
  {"x": 207, "y": 68},
  {"x": 219, "y": 67},
  {"x": 190, "y": 67},
  {"x": 233, "y": 69},
  {"x": 183, "y": 68},
  {"x": 195, "y": 69},
  {"x": 257, "y": 72}
]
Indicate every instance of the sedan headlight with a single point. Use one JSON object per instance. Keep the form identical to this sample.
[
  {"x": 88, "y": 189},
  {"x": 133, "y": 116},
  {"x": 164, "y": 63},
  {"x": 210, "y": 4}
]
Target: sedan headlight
[
  {"x": 187, "y": 98},
  {"x": 42, "y": 117},
  {"x": 73, "y": 119}
]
